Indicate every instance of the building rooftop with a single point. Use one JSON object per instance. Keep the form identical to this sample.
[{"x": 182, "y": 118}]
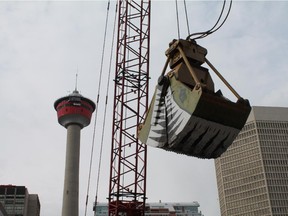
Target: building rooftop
[{"x": 268, "y": 113}]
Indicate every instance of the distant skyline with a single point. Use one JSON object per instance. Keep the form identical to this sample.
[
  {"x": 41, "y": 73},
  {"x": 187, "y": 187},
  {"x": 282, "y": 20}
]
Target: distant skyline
[{"x": 43, "y": 44}]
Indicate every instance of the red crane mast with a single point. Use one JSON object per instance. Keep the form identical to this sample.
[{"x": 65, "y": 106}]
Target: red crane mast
[{"x": 127, "y": 187}]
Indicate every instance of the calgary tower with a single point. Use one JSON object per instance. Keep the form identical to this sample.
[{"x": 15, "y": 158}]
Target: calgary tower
[{"x": 74, "y": 113}]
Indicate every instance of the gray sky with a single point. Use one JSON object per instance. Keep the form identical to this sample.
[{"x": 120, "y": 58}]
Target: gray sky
[{"x": 43, "y": 43}]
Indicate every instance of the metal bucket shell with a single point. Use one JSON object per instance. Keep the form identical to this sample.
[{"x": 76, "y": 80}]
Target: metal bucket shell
[{"x": 192, "y": 122}]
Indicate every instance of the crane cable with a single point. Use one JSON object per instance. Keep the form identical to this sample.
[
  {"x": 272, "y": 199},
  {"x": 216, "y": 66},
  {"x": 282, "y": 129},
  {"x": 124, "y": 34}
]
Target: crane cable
[
  {"x": 96, "y": 109},
  {"x": 177, "y": 16},
  {"x": 105, "y": 109},
  {"x": 186, "y": 15},
  {"x": 214, "y": 28}
]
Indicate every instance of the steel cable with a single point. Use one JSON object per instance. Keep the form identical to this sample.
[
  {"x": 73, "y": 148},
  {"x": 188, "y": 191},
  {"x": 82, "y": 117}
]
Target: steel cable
[
  {"x": 186, "y": 14},
  {"x": 105, "y": 111},
  {"x": 212, "y": 30},
  {"x": 96, "y": 109},
  {"x": 177, "y": 15}
]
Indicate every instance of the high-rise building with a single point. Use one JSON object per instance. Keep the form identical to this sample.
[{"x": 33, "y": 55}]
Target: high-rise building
[
  {"x": 252, "y": 175},
  {"x": 18, "y": 202},
  {"x": 160, "y": 209}
]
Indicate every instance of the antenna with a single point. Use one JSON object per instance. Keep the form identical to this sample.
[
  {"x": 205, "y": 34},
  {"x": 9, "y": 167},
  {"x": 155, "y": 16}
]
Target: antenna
[{"x": 76, "y": 81}]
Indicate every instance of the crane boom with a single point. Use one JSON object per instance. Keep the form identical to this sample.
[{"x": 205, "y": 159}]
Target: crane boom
[{"x": 127, "y": 187}]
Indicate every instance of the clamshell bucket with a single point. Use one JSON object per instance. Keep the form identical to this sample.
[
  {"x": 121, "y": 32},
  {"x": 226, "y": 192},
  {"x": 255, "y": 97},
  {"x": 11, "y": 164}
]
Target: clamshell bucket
[{"x": 186, "y": 116}]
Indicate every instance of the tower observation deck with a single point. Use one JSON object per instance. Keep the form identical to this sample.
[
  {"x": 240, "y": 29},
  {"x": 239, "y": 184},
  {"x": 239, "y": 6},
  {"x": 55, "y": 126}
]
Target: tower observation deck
[
  {"x": 74, "y": 113},
  {"x": 74, "y": 109}
]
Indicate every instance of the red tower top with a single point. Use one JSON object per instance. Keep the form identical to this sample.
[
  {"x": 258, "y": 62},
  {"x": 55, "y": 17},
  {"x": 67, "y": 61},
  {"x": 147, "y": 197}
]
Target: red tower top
[{"x": 74, "y": 109}]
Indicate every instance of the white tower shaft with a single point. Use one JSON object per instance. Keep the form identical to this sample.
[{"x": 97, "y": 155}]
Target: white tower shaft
[{"x": 70, "y": 205}]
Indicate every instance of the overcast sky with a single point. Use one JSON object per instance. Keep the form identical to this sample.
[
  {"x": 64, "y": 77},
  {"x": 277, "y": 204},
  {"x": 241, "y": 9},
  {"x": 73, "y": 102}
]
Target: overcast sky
[{"x": 43, "y": 45}]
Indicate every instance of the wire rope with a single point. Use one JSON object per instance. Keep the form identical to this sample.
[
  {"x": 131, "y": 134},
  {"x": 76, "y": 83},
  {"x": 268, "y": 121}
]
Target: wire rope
[
  {"x": 96, "y": 109},
  {"x": 105, "y": 111},
  {"x": 186, "y": 14},
  {"x": 229, "y": 9},
  {"x": 177, "y": 16},
  {"x": 212, "y": 30}
]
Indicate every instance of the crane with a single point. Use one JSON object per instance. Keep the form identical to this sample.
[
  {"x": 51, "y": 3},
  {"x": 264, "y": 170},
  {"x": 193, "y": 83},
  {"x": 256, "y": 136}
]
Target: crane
[{"x": 186, "y": 115}]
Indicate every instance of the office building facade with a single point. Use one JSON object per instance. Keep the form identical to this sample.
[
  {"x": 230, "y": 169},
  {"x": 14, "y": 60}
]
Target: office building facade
[
  {"x": 2, "y": 210},
  {"x": 252, "y": 175},
  {"x": 18, "y": 202}
]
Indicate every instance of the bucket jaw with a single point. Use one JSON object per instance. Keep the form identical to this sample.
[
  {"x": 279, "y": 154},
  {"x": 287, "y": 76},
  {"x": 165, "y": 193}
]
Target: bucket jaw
[{"x": 186, "y": 116}]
